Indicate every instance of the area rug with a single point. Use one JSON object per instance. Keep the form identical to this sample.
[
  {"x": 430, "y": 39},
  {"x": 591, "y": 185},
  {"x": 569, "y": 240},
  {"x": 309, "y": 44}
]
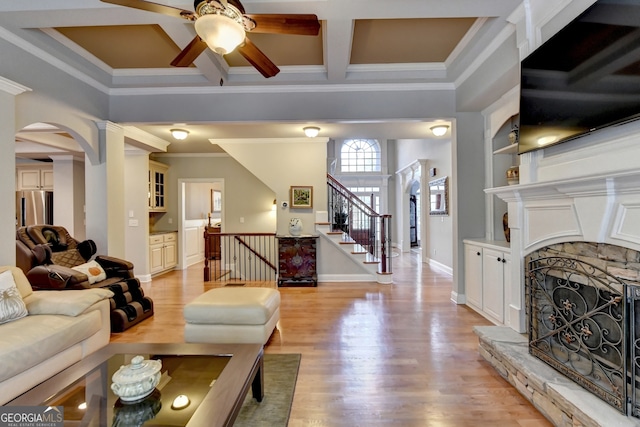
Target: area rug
[{"x": 280, "y": 375}]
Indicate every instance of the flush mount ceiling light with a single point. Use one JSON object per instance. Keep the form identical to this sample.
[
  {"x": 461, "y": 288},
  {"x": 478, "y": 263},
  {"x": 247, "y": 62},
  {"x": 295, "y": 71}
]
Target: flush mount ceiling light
[
  {"x": 179, "y": 134},
  {"x": 311, "y": 131},
  {"x": 439, "y": 130},
  {"x": 221, "y": 27}
]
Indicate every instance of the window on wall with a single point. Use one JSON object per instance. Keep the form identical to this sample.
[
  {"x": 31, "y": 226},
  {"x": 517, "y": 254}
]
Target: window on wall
[{"x": 360, "y": 155}]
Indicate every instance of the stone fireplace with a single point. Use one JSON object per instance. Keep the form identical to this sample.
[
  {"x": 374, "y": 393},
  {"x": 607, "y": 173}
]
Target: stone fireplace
[
  {"x": 581, "y": 301},
  {"x": 574, "y": 223}
]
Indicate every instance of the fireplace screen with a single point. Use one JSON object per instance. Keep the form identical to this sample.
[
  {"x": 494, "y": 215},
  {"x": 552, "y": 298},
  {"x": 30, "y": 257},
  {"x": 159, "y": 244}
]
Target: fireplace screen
[{"x": 581, "y": 323}]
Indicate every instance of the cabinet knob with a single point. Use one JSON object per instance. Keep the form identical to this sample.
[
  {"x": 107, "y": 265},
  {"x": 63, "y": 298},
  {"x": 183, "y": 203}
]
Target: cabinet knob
[
  {"x": 504, "y": 260},
  {"x": 499, "y": 259},
  {"x": 478, "y": 253}
]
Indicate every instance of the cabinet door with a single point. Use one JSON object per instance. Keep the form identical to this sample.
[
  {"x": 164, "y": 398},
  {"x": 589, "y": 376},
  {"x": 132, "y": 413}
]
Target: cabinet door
[
  {"x": 46, "y": 179},
  {"x": 473, "y": 275},
  {"x": 156, "y": 258},
  {"x": 170, "y": 255},
  {"x": 493, "y": 264},
  {"x": 159, "y": 190},
  {"x": 29, "y": 179}
]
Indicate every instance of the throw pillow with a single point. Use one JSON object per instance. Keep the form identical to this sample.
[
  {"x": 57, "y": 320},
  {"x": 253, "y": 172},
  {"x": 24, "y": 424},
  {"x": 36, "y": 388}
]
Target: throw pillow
[
  {"x": 11, "y": 305},
  {"x": 93, "y": 270}
]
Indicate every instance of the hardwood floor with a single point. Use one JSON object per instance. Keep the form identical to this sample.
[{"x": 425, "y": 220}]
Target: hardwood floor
[{"x": 372, "y": 355}]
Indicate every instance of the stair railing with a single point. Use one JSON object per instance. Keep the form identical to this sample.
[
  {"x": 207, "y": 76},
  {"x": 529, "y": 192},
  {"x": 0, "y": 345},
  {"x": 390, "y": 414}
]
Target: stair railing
[
  {"x": 239, "y": 257},
  {"x": 361, "y": 223}
]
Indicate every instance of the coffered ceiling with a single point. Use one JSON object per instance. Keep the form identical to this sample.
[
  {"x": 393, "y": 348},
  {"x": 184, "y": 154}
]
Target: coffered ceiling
[{"x": 116, "y": 48}]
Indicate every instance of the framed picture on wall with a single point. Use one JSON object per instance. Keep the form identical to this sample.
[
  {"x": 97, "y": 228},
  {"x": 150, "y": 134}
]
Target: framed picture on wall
[
  {"x": 301, "y": 197},
  {"x": 216, "y": 201},
  {"x": 439, "y": 196}
]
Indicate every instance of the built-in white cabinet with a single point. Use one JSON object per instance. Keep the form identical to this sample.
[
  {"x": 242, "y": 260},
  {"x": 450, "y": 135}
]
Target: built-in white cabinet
[
  {"x": 473, "y": 275},
  {"x": 163, "y": 252},
  {"x": 487, "y": 267},
  {"x": 157, "y": 186},
  {"x": 34, "y": 177}
]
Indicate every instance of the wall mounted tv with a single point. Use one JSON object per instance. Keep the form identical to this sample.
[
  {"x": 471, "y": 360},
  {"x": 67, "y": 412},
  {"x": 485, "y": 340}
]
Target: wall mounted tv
[{"x": 584, "y": 78}]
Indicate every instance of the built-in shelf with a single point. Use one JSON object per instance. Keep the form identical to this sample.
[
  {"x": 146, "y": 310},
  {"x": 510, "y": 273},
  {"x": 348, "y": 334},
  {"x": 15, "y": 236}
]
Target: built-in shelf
[{"x": 509, "y": 149}]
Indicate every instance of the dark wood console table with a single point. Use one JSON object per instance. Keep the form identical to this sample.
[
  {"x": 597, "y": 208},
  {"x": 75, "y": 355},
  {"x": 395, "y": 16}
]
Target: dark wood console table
[{"x": 297, "y": 260}]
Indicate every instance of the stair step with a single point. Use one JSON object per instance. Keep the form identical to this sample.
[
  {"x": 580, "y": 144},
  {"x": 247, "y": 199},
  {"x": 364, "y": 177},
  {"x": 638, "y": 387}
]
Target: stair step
[
  {"x": 347, "y": 242},
  {"x": 335, "y": 233}
]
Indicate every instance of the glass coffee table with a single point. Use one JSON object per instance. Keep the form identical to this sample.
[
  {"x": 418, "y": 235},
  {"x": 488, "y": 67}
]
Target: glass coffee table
[{"x": 213, "y": 378}]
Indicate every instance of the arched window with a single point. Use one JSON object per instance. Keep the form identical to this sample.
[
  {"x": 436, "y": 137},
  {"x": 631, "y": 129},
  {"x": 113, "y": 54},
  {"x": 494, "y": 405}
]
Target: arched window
[{"x": 360, "y": 155}]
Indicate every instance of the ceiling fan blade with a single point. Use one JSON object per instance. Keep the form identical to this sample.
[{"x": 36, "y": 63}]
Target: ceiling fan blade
[
  {"x": 306, "y": 25},
  {"x": 153, "y": 7},
  {"x": 259, "y": 60},
  {"x": 189, "y": 53}
]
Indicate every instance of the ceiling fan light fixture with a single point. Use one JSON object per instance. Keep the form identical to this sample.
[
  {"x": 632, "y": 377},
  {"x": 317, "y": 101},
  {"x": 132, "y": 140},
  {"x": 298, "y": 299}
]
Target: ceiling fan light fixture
[
  {"x": 221, "y": 33},
  {"x": 311, "y": 131},
  {"x": 179, "y": 134},
  {"x": 439, "y": 130}
]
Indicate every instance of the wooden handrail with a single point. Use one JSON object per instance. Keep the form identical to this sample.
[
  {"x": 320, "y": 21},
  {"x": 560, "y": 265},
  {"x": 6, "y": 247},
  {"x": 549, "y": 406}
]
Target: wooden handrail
[{"x": 349, "y": 214}]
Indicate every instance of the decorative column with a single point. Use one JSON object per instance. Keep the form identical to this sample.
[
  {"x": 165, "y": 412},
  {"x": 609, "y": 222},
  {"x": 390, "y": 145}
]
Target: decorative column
[
  {"x": 68, "y": 187},
  {"x": 105, "y": 192},
  {"x": 8, "y": 92}
]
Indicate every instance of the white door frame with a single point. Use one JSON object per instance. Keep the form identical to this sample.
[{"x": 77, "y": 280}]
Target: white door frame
[{"x": 182, "y": 239}]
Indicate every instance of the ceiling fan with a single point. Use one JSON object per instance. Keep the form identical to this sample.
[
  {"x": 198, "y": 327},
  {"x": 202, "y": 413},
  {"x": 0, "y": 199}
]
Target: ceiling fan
[{"x": 222, "y": 26}]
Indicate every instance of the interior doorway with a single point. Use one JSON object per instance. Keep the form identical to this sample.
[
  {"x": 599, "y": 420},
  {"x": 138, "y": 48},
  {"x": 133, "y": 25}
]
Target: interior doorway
[
  {"x": 200, "y": 203},
  {"x": 414, "y": 215}
]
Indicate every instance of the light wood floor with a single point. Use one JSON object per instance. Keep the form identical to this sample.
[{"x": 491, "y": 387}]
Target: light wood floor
[{"x": 372, "y": 355}]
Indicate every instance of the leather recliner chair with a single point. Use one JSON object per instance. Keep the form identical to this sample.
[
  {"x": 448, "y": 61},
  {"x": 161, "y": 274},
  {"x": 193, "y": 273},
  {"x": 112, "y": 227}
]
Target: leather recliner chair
[{"x": 47, "y": 253}]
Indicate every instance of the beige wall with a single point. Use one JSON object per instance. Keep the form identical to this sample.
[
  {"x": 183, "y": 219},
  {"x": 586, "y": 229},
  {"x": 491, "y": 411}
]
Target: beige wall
[
  {"x": 283, "y": 163},
  {"x": 244, "y": 195}
]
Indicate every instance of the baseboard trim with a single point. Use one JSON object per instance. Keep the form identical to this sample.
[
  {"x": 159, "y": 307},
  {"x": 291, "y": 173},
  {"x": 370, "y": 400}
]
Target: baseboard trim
[
  {"x": 346, "y": 278},
  {"x": 440, "y": 267},
  {"x": 144, "y": 278}
]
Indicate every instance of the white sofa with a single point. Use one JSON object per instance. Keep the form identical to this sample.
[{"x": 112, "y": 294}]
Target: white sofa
[{"x": 61, "y": 328}]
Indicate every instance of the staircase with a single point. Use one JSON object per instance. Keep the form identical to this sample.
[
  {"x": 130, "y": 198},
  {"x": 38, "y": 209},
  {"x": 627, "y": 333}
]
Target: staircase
[
  {"x": 352, "y": 249},
  {"x": 358, "y": 231}
]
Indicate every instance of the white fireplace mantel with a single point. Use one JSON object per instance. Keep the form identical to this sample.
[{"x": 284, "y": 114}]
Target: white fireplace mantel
[
  {"x": 591, "y": 186},
  {"x": 601, "y": 208}
]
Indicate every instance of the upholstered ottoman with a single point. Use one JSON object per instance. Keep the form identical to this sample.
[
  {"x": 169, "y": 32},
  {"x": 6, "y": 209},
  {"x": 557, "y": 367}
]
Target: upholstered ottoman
[{"x": 232, "y": 315}]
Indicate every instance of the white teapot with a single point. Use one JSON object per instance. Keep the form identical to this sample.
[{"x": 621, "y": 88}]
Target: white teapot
[{"x": 136, "y": 381}]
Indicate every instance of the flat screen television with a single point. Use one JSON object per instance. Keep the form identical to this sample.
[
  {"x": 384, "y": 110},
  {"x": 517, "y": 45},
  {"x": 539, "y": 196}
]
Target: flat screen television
[{"x": 585, "y": 78}]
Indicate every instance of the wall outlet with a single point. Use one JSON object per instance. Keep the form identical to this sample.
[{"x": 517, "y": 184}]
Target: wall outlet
[
  {"x": 170, "y": 220},
  {"x": 241, "y": 220},
  {"x": 133, "y": 223}
]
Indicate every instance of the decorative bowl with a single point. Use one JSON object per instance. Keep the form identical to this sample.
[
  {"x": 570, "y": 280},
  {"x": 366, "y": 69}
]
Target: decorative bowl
[{"x": 137, "y": 380}]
